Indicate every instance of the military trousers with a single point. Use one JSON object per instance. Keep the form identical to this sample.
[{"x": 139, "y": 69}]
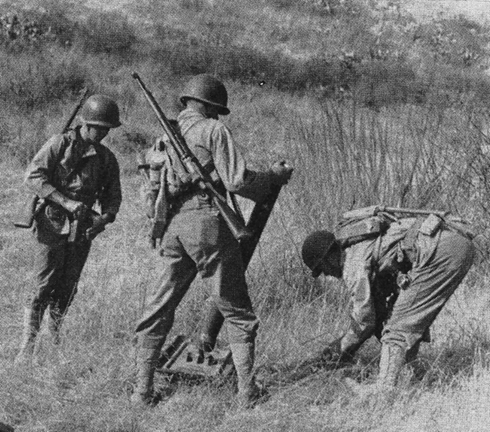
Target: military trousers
[
  {"x": 197, "y": 241},
  {"x": 435, "y": 276},
  {"x": 58, "y": 266}
]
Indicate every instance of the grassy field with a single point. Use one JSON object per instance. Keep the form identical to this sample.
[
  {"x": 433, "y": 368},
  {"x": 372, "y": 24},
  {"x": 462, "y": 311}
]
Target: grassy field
[{"x": 403, "y": 125}]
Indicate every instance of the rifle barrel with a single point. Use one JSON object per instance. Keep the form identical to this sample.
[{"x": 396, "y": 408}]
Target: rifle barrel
[
  {"x": 75, "y": 110},
  {"x": 413, "y": 211}
]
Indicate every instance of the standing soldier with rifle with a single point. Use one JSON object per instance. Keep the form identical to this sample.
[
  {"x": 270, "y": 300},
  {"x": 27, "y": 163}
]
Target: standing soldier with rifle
[
  {"x": 199, "y": 233},
  {"x": 69, "y": 174},
  {"x": 400, "y": 271}
]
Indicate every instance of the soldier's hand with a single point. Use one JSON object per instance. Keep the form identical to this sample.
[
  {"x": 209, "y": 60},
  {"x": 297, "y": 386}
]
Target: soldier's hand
[
  {"x": 281, "y": 172},
  {"x": 98, "y": 225},
  {"x": 76, "y": 208}
]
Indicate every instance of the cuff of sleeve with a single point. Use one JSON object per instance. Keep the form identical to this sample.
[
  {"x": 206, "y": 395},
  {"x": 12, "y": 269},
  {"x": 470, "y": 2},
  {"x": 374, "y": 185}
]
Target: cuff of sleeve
[{"x": 109, "y": 217}]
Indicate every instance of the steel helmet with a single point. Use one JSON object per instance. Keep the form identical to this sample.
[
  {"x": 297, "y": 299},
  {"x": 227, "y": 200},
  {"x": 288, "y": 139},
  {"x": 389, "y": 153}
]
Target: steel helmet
[
  {"x": 208, "y": 89},
  {"x": 315, "y": 247},
  {"x": 100, "y": 110}
]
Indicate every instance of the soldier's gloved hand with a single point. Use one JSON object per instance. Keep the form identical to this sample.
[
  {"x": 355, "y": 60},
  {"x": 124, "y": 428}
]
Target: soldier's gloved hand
[
  {"x": 281, "y": 172},
  {"x": 98, "y": 225}
]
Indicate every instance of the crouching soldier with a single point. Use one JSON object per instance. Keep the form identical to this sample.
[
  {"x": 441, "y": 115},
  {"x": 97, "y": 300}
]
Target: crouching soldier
[
  {"x": 196, "y": 238},
  {"x": 400, "y": 273},
  {"x": 69, "y": 174}
]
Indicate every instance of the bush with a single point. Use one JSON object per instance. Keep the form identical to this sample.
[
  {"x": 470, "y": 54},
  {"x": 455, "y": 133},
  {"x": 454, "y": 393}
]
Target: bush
[
  {"x": 458, "y": 41},
  {"x": 32, "y": 28}
]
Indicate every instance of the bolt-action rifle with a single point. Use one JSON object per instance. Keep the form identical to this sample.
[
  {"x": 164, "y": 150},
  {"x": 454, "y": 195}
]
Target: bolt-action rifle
[
  {"x": 194, "y": 168},
  {"x": 435, "y": 218},
  {"x": 31, "y": 208}
]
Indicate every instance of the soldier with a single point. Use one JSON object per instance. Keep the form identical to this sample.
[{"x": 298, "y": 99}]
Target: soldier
[
  {"x": 69, "y": 173},
  {"x": 197, "y": 240},
  {"x": 399, "y": 281}
]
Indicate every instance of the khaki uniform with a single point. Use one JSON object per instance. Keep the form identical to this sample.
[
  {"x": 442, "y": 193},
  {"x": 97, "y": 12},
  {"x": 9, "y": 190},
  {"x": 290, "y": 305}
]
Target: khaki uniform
[
  {"x": 82, "y": 172},
  {"x": 435, "y": 265},
  {"x": 197, "y": 239}
]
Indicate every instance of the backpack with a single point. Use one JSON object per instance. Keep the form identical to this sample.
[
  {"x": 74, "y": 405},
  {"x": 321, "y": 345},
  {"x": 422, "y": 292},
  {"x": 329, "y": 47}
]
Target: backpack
[{"x": 355, "y": 230}]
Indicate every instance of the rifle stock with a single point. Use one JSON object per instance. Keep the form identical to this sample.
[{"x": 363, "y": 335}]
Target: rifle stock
[{"x": 194, "y": 168}]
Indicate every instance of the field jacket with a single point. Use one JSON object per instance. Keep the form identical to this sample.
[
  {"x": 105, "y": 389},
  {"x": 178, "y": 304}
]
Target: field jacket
[
  {"x": 213, "y": 145},
  {"x": 373, "y": 265},
  {"x": 80, "y": 171}
]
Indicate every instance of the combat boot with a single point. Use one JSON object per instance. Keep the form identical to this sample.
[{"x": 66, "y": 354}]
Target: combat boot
[
  {"x": 32, "y": 324},
  {"x": 342, "y": 350},
  {"x": 146, "y": 362},
  {"x": 243, "y": 358},
  {"x": 390, "y": 366}
]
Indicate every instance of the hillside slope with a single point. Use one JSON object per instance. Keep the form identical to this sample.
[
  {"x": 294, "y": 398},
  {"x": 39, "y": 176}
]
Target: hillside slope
[{"x": 478, "y": 10}]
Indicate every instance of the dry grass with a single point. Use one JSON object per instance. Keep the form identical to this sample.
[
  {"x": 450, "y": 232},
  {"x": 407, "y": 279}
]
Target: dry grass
[
  {"x": 83, "y": 385},
  {"x": 344, "y": 155}
]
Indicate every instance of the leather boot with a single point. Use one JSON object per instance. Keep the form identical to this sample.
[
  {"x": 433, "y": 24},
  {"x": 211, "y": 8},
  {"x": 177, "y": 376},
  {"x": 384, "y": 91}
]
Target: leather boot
[
  {"x": 342, "y": 350},
  {"x": 32, "y": 324},
  {"x": 390, "y": 365},
  {"x": 146, "y": 362},
  {"x": 243, "y": 358}
]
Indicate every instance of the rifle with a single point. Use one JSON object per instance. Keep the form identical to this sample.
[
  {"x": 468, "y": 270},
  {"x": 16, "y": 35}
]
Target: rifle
[
  {"x": 366, "y": 212},
  {"x": 213, "y": 319},
  {"x": 30, "y": 211},
  {"x": 195, "y": 169},
  {"x": 432, "y": 223}
]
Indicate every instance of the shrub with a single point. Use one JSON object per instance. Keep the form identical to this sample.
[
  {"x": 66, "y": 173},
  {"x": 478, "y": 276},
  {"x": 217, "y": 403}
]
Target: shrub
[
  {"x": 457, "y": 41},
  {"x": 34, "y": 28}
]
